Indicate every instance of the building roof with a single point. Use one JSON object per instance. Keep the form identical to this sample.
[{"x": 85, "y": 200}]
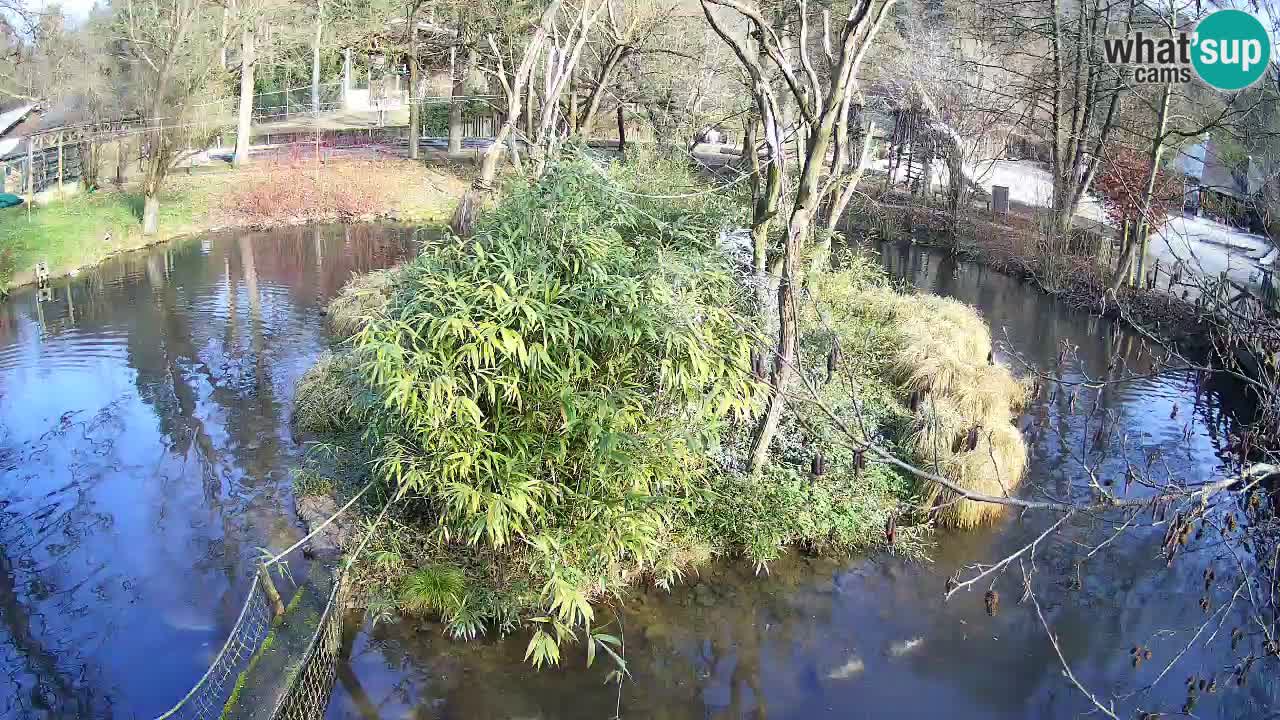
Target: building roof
[{"x": 10, "y": 118}]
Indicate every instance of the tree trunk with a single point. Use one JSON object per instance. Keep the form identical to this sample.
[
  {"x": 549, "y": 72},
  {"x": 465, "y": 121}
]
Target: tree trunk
[
  {"x": 222, "y": 46},
  {"x": 851, "y": 185},
  {"x": 415, "y": 102},
  {"x": 530, "y": 110},
  {"x": 611, "y": 62},
  {"x": 766, "y": 207},
  {"x": 622, "y": 131},
  {"x": 782, "y": 364},
  {"x": 243, "y": 125},
  {"x": 515, "y": 96},
  {"x": 574, "y": 111},
  {"x": 122, "y": 158},
  {"x": 1139, "y": 242},
  {"x": 315, "y": 57},
  {"x": 150, "y": 213},
  {"x": 489, "y": 166},
  {"x": 799, "y": 226},
  {"x": 455, "y": 104},
  {"x": 750, "y": 159}
]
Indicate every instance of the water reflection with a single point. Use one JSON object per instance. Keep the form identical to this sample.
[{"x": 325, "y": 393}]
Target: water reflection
[
  {"x": 871, "y": 636},
  {"x": 145, "y": 456}
]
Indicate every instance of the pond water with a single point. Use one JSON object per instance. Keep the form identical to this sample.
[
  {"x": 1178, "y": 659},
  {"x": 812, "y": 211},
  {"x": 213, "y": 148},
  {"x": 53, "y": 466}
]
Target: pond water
[
  {"x": 145, "y": 454},
  {"x": 871, "y": 636}
]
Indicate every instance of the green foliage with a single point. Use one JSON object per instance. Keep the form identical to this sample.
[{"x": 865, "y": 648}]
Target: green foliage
[
  {"x": 841, "y": 511},
  {"x": 8, "y": 264},
  {"x": 326, "y": 398},
  {"x": 80, "y": 230},
  {"x": 308, "y": 483},
  {"x": 433, "y": 589},
  {"x": 435, "y": 116},
  {"x": 844, "y": 509},
  {"x": 565, "y": 398},
  {"x": 557, "y": 379}
]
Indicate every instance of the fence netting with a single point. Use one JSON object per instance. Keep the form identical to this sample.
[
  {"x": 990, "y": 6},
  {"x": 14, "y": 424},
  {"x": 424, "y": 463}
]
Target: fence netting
[
  {"x": 310, "y": 687},
  {"x": 210, "y": 694}
]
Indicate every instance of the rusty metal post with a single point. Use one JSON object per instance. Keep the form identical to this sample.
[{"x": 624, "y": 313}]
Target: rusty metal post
[{"x": 269, "y": 586}]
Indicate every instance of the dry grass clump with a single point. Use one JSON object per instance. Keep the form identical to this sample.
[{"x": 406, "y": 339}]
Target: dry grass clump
[
  {"x": 994, "y": 467},
  {"x": 324, "y": 401},
  {"x": 963, "y": 404},
  {"x": 363, "y": 296},
  {"x": 296, "y": 190}
]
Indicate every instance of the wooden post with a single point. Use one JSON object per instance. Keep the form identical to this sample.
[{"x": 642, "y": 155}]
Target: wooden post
[
  {"x": 31, "y": 171},
  {"x": 622, "y": 131},
  {"x": 60, "y": 165},
  {"x": 269, "y": 586}
]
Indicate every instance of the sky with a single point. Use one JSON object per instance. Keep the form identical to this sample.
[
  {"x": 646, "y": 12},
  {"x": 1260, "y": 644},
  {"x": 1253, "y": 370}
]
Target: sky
[
  {"x": 75, "y": 9},
  {"x": 1267, "y": 10}
]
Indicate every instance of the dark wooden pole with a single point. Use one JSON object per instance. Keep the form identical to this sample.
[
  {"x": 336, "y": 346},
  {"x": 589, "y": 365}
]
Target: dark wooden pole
[
  {"x": 622, "y": 132},
  {"x": 269, "y": 586}
]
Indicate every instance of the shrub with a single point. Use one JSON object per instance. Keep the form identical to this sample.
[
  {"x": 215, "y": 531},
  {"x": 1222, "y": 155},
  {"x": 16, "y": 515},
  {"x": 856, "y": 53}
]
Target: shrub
[
  {"x": 1123, "y": 181},
  {"x": 299, "y": 192},
  {"x": 552, "y": 383}
]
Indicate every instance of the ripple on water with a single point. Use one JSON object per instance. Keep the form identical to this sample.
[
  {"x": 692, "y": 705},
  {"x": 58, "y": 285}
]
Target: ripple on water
[
  {"x": 70, "y": 349},
  {"x": 144, "y": 456}
]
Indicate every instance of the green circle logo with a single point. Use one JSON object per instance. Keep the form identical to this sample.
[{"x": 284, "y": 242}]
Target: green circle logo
[{"x": 1232, "y": 50}]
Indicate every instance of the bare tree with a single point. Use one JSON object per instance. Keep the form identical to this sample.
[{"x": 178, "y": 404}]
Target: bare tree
[
  {"x": 172, "y": 46},
  {"x": 821, "y": 103},
  {"x": 247, "y": 18},
  {"x": 1056, "y": 83}
]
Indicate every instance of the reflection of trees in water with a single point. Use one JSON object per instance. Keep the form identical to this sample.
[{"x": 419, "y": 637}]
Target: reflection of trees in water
[
  {"x": 38, "y": 683},
  {"x": 190, "y": 317},
  {"x": 1125, "y": 596}
]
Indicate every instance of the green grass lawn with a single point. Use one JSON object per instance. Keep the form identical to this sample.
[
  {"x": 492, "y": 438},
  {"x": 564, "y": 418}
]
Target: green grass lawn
[{"x": 83, "y": 229}]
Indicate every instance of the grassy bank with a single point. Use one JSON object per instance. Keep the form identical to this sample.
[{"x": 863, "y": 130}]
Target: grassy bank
[
  {"x": 85, "y": 228},
  {"x": 564, "y": 404}
]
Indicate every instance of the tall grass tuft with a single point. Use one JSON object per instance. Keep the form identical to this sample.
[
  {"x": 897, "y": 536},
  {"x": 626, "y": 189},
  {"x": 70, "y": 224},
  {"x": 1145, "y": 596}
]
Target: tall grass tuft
[
  {"x": 359, "y": 300},
  {"x": 942, "y": 360},
  {"x": 325, "y": 399},
  {"x": 936, "y": 352},
  {"x": 433, "y": 590}
]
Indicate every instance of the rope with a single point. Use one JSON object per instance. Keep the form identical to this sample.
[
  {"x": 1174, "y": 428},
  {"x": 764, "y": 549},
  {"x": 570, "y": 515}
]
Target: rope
[{"x": 322, "y": 526}]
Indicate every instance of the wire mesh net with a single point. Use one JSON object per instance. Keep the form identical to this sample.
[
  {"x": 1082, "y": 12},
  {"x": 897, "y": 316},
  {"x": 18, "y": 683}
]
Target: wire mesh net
[
  {"x": 307, "y": 688},
  {"x": 310, "y": 687},
  {"x": 210, "y": 694}
]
